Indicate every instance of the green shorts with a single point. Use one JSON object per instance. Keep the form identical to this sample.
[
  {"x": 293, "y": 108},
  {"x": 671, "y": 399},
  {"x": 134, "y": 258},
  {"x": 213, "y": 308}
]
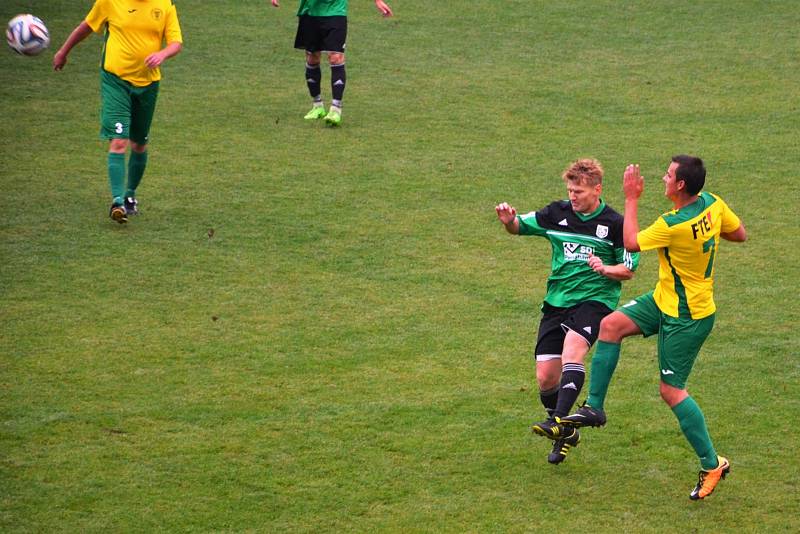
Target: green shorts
[
  {"x": 127, "y": 110},
  {"x": 679, "y": 340}
]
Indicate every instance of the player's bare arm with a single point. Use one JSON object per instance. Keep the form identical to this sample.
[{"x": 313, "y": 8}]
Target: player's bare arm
[
  {"x": 385, "y": 10},
  {"x": 614, "y": 272},
  {"x": 157, "y": 58},
  {"x": 632, "y": 186},
  {"x": 738, "y": 236},
  {"x": 80, "y": 33},
  {"x": 508, "y": 216},
  {"x": 275, "y": 3}
]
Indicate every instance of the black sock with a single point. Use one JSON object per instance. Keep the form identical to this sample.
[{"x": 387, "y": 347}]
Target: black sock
[
  {"x": 572, "y": 377},
  {"x": 338, "y": 80},
  {"x": 313, "y": 80},
  {"x": 549, "y": 399}
]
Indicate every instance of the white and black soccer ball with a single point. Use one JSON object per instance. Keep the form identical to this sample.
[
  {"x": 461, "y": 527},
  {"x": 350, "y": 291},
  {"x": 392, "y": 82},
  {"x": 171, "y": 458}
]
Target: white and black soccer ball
[{"x": 27, "y": 35}]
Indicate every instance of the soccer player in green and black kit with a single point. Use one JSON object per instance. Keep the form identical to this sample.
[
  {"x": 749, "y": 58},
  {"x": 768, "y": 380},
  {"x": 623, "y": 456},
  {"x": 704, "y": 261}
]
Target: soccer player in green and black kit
[
  {"x": 588, "y": 264},
  {"x": 322, "y": 27}
]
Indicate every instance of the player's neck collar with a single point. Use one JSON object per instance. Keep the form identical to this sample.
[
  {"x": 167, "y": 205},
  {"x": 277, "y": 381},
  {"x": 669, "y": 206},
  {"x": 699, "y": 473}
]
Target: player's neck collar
[
  {"x": 595, "y": 213},
  {"x": 682, "y": 202}
]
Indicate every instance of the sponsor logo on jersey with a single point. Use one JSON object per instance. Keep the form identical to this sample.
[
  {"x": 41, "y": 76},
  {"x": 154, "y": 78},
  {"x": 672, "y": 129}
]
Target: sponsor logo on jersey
[
  {"x": 602, "y": 231},
  {"x": 577, "y": 252}
]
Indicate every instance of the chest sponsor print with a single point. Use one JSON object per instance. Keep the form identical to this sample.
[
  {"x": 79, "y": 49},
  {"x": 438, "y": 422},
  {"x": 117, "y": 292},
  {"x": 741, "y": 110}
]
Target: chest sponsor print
[{"x": 577, "y": 252}]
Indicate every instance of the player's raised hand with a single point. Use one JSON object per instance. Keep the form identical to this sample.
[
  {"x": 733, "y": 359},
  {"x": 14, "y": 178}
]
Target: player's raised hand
[
  {"x": 632, "y": 182},
  {"x": 505, "y": 212},
  {"x": 385, "y": 10}
]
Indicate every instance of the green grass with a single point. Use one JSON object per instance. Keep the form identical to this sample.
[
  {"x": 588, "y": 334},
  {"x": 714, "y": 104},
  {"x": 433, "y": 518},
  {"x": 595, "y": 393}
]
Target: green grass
[{"x": 350, "y": 349}]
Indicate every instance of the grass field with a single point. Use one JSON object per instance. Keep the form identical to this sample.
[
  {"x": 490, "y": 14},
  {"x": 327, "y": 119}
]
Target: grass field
[{"x": 350, "y": 348}]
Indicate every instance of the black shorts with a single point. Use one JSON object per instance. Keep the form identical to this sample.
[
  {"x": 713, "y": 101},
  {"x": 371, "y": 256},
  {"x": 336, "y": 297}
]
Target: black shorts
[
  {"x": 321, "y": 34},
  {"x": 583, "y": 319}
]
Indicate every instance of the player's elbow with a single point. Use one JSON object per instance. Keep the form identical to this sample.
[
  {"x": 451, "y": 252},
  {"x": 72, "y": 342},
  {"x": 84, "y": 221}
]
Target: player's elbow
[
  {"x": 174, "y": 48},
  {"x": 624, "y": 274},
  {"x": 632, "y": 245},
  {"x": 630, "y": 241},
  {"x": 739, "y": 235}
]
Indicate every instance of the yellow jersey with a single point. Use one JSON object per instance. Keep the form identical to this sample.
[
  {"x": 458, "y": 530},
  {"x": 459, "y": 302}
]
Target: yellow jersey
[
  {"x": 687, "y": 241},
  {"x": 134, "y": 29}
]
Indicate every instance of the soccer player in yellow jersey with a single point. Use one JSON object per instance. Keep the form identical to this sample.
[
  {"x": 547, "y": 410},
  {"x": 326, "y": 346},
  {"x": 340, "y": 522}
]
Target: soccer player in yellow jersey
[
  {"x": 680, "y": 310},
  {"x": 139, "y": 36}
]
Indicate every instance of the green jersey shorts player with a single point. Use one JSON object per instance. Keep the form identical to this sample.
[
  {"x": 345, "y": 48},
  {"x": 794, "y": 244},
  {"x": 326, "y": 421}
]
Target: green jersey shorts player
[{"x": 322, "y": 28}]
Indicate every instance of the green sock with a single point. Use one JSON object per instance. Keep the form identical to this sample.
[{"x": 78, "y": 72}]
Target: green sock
[
  {"x": 693, "y": 425},
  {"x": 116, "y": 175},
  {"x": 604, "y": 362},
  {"x": 136, "y": 166}
]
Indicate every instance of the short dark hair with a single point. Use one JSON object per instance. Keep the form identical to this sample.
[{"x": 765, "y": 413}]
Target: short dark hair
[{"x": 691, "y": 171}]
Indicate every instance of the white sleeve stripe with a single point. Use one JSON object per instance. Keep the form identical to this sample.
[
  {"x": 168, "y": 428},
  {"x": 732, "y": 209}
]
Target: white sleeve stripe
[{"x": 627, "y": 259}]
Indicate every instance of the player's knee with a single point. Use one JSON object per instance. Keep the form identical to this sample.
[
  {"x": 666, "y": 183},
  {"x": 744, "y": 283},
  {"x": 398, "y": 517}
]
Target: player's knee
[
  {"x": 547, "y": 380},
  {"x": 313, "y": 58},
  {"x": 336, "y": 58},
  {"x": 608, "y": 329},
  {"x": 547, "y": 383},
  {"x": 118, "y": 145},
  {"x": 671, "y": 394},
  {"x": 136, "y": 147},
  {"x": 613, "y": 327}
]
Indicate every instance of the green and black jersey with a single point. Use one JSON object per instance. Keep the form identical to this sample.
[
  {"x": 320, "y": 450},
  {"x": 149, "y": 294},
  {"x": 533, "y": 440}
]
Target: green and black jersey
[
  {"x": 573, "y": 236},
  {"x": 323, "y": 8}
]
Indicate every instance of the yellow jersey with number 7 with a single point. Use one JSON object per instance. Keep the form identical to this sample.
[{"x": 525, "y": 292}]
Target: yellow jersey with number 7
[
  {"x": 687, "y": 240},
  {"x": 134, "y": 29}
]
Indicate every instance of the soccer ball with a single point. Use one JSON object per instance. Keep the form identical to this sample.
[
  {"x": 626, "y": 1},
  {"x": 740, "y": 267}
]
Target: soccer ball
[{"x": 27, "y": 35}]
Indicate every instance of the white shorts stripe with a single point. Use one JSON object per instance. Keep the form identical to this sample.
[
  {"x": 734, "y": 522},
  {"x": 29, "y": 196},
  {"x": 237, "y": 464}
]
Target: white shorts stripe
[{"x": 547, "y": 357}]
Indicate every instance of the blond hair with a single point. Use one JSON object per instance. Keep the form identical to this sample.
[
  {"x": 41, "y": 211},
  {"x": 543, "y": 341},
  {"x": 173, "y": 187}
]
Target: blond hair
[{"x": 586, "y": 171}]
